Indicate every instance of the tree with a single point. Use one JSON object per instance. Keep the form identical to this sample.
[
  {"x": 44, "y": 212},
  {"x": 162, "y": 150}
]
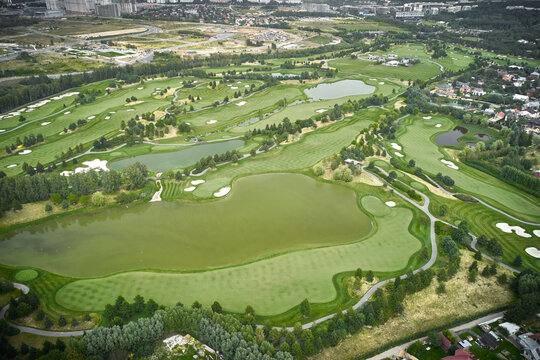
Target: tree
[
  {"x": 56, "y": 198},
  {"x": 196, "y": 305},
  {"x": 369, "y": 276},
  {"x": 65, "y": 204},
  {"x": 47, "y": 322},
  {"x": 449, "y": 246},
  {"x": 517, "y": 261},
  {"x": 74, "y": 321},
  {"x": 434, "y": 338},
  {"x": 443, "y": 210},
  {"x": 72, "y": 198},
  {"x": 98, "y": 199},
  {"x": 412, "y": 163},
  {"x": 216, "y": 307},
  {"x": 62, "y": 321},
  {"x": 48, "y": 208},
  {"x": 305, "y": 307},
  {"x": 135, "y": 176},
  {"x": 358, "y": 274}
]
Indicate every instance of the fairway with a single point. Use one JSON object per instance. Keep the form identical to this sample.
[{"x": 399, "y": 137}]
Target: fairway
[
  {"x": 422, "y": 71},
  {"x": 271, "y": 286},
  {"x": 427, "y": 156},
  {"x": 263, "y": 215}
]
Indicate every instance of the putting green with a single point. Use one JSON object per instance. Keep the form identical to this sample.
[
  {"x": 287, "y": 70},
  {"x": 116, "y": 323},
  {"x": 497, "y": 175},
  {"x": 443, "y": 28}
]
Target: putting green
[
  {"x": 419, "y": 186},
  {"x": 413, "y": 136},
  {"x": 26, "y": 275},
  {"x": 263, "y": 215},
  {"x": 271, "y": 286}
]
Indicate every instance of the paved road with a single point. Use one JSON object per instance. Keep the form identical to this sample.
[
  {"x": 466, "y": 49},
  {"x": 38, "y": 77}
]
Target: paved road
[{"x": 157, "y": 195}]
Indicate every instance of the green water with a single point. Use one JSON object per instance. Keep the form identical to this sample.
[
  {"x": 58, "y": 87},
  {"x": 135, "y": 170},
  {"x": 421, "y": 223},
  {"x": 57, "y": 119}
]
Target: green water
[
  {"x": 179, "y": 159},
  {"x": 339, "y": 89},
  {"x": 263, "y": 215}
]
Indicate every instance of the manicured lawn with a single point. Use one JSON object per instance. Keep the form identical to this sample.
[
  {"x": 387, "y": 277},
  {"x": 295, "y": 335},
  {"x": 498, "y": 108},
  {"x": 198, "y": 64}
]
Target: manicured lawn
[
  {"x": 422, "y": 71},
  {"x": 271, "y": 286},
  {"x": 413, "y": 137}
]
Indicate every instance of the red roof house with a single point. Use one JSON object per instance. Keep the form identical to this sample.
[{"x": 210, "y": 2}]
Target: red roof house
[
  {"x": 460, "y": 354},
  {"x": 445, "y": 343}
]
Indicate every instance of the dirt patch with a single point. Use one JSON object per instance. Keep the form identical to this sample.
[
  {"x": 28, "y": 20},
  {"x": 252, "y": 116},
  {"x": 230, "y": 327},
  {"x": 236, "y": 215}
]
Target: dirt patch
[
  {"x": 159, "y": 114},
  {"x": 295, "y": 137},
  {"x": 169, "y": 92},
  {"x": 399, "y": 104},
  {"x": 358, "y": 287},
  {"x": 111, "y": 33}
]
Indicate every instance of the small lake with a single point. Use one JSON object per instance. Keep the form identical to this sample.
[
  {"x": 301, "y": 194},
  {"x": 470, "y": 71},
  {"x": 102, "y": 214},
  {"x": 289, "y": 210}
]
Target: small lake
[
  {"x": 178, "y": 159},
  {"x": 339, "y": 89},
  {"x": 263, "y": 215},
  {"x": 482, "y": 136},
  {"x": 450, "y": 138}
]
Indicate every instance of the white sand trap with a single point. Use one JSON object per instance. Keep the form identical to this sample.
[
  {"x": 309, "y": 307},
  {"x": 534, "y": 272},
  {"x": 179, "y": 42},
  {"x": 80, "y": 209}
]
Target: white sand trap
[
  {"x": 534, "y": 252},
  {"x": 24, "y": 152},
  {"x": 223, "y": 191},
  {"x": 30, "y": 110},
  {"x": 140, "y": 88},
  {"x": 396, "y": 146},
  {"x": 373, "y": 79},
  {"x": 320, "y": 111},
  {"x": 91, "y": 117},
  {"x": 112, "y": 112},
  {"x": 107, "y": 117},
  {"x": 509, "y": 229},
  {"x": 238, "y": 82},
  {"x": 158, "y": 88},
  {"x": 67, "y": 113},
  {"x": 197, "y": 182},
  {"x": 188, "y": 123},
  {"x": 11, "y": 166},
  {"x": 234, "y": 88},
  {"x": 381, "y": 83},
  {"x": 189, "y": 189},
  {"x": 196, "y": 81},
  {"x": 390, "y": 203},
  {"x": 130, "y": 109},
  {"x": 45, "y": 123},
  {"x": 427, "y": 117},
  {"x": 241, "y": 103},
  {"x": 398, "y": 154},
  {"x": 2, "y": 130},
  {"x": 246, "y": 86},
  {"x": 210, "y": 122},
  {"x": 438, "y": 125},
  {"x": 536, "y": 232},
  {"x": 229, "y": 85},
  {"x": 97, "y": 164},
  {"x": 450, "y": 164}
]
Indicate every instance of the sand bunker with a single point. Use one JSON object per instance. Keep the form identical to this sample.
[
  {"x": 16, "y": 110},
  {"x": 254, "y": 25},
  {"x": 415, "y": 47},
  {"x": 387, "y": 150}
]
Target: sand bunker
[
  {"x": 241, "y": 103},
  {"x": 396, "y": 146},
  {"x": 223, "y": 191},
  {"x": 381, "y": 83},
  {"x": 229, "y": 85},
  {"x": 427, "y": 117},
  {"x": 24, "y": 152},
  {"x": 67, "y": 113},
  {"x": 91, "y": 117},
  {"x": 246, "y": 86},
  {"x": 509, "y": 229},
  {"x": 189, "y": 189},
  {"x": 320, "y": 111},
  {"x": 197, "y": 182},
  {"x": 238, "y": 82},
  {"x": 11, "y": 166},
  {"x": 373, "y": 79},
  {"x": 45, "y": 123},
  {"x": 398, "y": 154},
  {"x": 107, "y": 117},
  {"x": 140, "y": 88},
  {"x": 112, "y": 112},
  {"x": 534, "y": 252},
  {"x": 438, "y": 125},
  {"x": 536, "y": 232},
  {"x": 96, "y": 165},
  {"x": 450, "y": 164},
  {"x": 130, "y": 110},
  {"x": 2, "y": 130},
  {"x": 390, "y": 203},
  {"x": 210, "y": 122},
  {"x": 234, "y": 87}
]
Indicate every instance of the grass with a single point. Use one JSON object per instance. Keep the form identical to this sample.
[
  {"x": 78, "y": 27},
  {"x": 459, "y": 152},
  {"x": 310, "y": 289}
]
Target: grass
[
  {"x": 26, "y": 275},
  {"x": 422, "y": 71},
  {"x": 272, "y": 285},
  {"x": 426, "y": 310},
  {"x": 48, "y": 64},
  {"x": 171, "y": 190},
  {"x": 427, "y": 156}
]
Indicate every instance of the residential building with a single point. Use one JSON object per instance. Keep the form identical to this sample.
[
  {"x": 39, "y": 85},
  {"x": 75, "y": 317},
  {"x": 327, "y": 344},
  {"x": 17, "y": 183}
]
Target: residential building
[
  {"x": 531, "y": 345},
  {"x": 460, "y": 354}
]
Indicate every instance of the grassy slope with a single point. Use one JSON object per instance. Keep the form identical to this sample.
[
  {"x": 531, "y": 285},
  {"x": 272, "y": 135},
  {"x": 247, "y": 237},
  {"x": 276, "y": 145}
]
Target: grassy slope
[
  {"x": 271, "y": 286},
  {"x": 422, "y": 71},
  {"x": 427, "y": 155}
]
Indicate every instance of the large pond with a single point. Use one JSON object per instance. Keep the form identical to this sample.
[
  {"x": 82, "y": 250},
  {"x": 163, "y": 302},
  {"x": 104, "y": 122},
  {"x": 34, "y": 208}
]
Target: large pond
[
  {"x": 180, "y": 158},
  {"x": 339, "y": 89},
  {"x": 263, "y": 215},
  {"x": 450, "y": 138}
]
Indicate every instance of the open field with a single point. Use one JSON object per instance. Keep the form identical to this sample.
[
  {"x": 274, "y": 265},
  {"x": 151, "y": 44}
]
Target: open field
[
  {"x": 426, "y": 310},
  {"x": 48, "y": 64},
  {"x": 271, "y": 286}
]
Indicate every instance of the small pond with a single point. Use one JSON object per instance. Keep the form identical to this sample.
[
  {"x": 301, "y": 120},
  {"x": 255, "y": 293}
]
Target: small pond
[
  {"x": 339, "y": 89},
  {"x": 450, "y": 138},
  {"x": 179, "y": 159}
]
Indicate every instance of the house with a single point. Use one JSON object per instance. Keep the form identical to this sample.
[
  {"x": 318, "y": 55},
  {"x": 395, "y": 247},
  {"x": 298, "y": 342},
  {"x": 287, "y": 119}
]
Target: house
[
  {"x": 489, "y": 341},
  {"x": 532, "y": 105},
  {"x": 374, "y": 58},
  {"x": 517, "y": 83},
  {"x": 498, "y": 116},
  {"x": 444, "y": 90},
  {"x": 512, "y": 114},
  {"x": 531, "y": 346},
  {"x": 465, "y": 344},
  {"x": 445, "y": 343},
  {"x": 510, "y": 327},
  {"x": 464, "y": 88},
  {"x": 460, "y": 354},
  {"x": 535, "y": 75},
  {"x": 392, "y": 63},
  {"x": 489, "y": 111},
  {"x": 478, "y": 92},
  {"x": 519, "y": 97},
  {"x": 392, "y": 57},
  {"x": 507, "y": 77}
]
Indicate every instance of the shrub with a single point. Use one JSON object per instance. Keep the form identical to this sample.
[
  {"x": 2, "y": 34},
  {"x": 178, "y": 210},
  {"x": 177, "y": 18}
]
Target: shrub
[
  {"x": 98, "y": 199},
  {"x": 48, "y": 208}
]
